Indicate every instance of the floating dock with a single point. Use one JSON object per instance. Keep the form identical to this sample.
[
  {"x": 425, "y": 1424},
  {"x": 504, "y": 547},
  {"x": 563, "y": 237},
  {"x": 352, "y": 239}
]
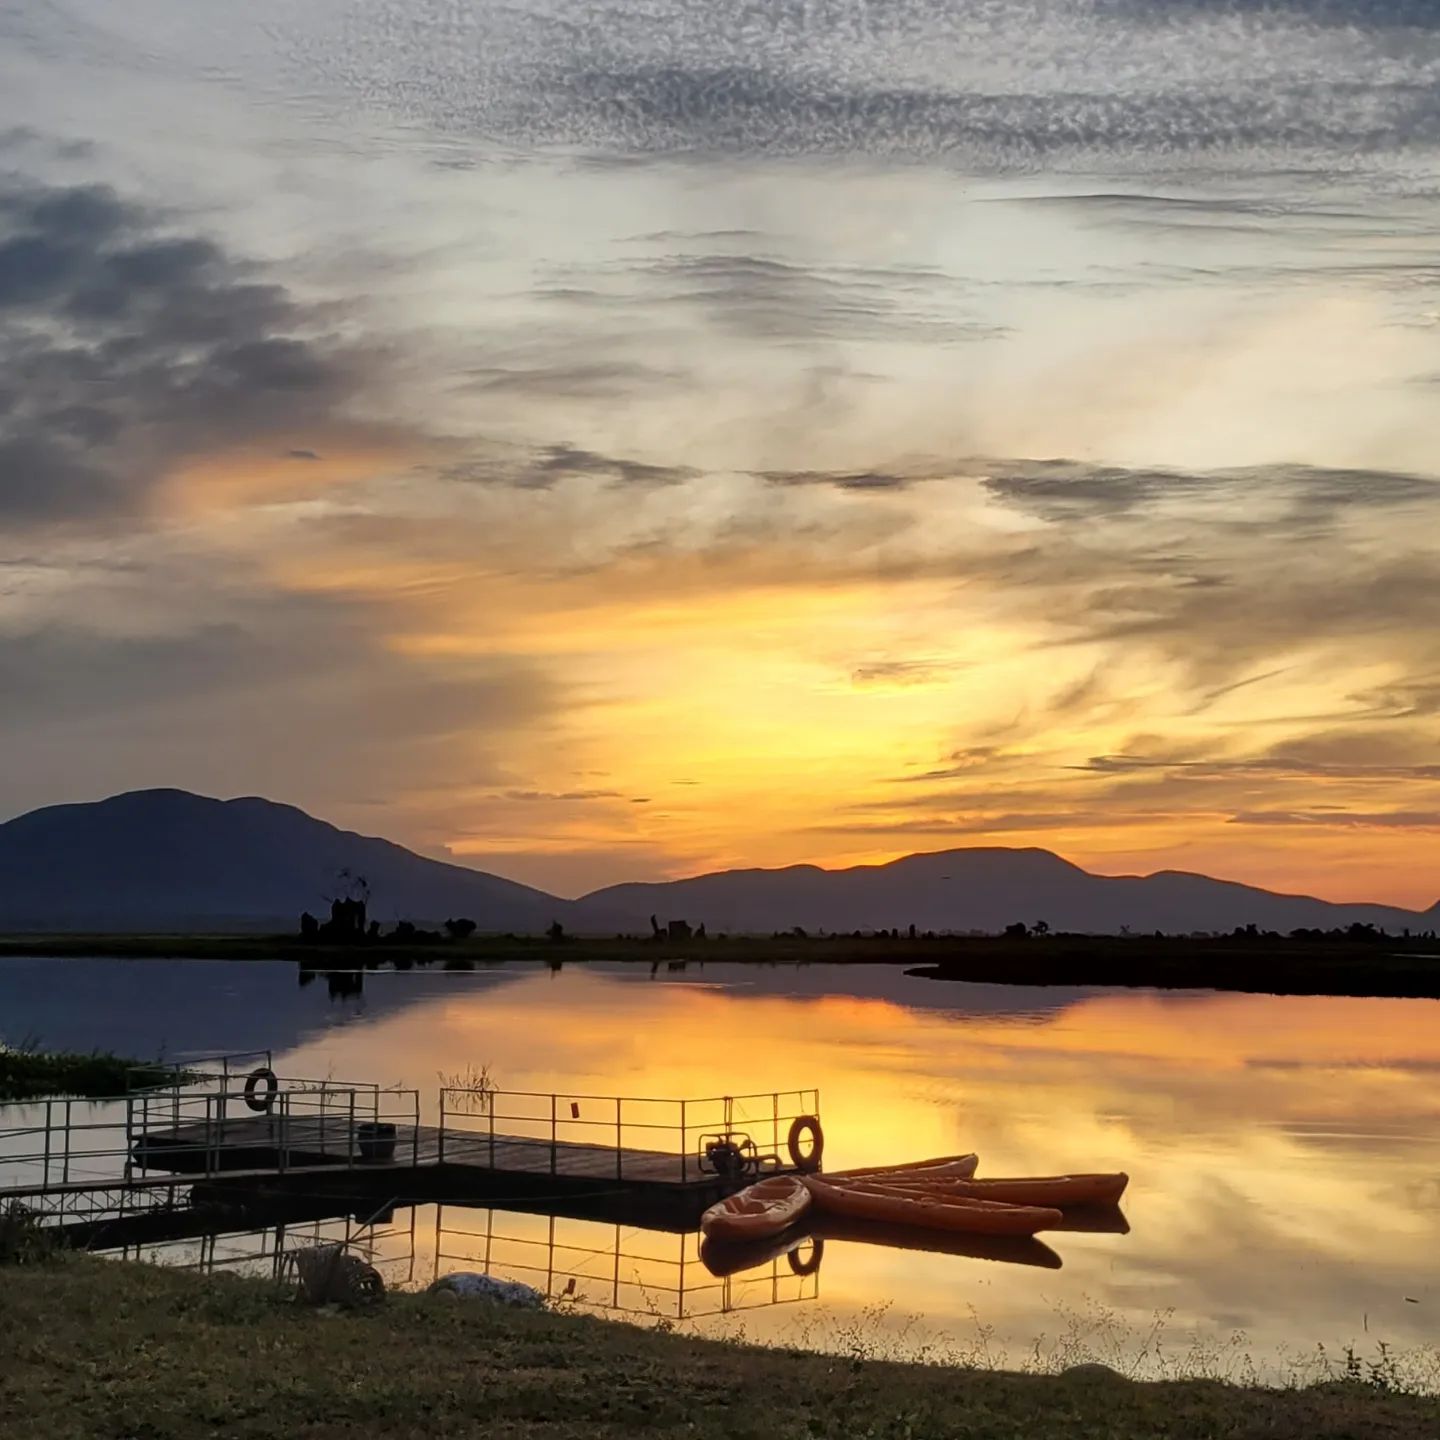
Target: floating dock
[{"x": 270, "y": 1139}]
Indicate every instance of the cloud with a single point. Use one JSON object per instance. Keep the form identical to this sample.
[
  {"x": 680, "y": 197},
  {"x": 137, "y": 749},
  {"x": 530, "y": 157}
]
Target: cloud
[
  {"x": 1403, "y": 698},
  {"x": 1280, "y": 765},
  {"x": 652, "y": 105},
  {"x": 978, "y": 85},
  {"x": 1036, "y": 822},
  {"x": 841, "y": 480},
  {"x": 1343, "y": 819},
  {"x": 759, "y": 297},
  {"x": 560, "y": 461},
  {"x": 1358, "y": 15},
  {"x": 241, "y": 691},
  {"x": 553, "y": 796},
  {"x": 902, "y": 673},
  {"x": 547, "y": 466},
  {"x": 608, "y": 379},
  {"x": 1292, "y": 494},
  {"x": 139, "y": 347}
]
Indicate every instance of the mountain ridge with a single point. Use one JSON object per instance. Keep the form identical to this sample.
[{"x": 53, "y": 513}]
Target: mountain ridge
[
  {"x": 167, "y": 859},
  {"x": 1006, "y": 886},
  {"x": 169, "y": 852}
]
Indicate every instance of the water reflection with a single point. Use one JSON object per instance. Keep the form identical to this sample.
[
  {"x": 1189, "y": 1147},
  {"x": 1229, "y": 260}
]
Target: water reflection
[
  {"x": 621, "y": 1269},
  {"x": 591, "y": 1265},
  {"x": 1285, "y": 1176},
  {"x": 389, "y": 1244},
  {"x": 339, "y": 984}
]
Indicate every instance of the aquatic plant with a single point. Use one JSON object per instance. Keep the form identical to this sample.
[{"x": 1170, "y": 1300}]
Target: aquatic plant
[
  {"x": 29, "y": 1073},
  {"x": 472, "y": 1089}
]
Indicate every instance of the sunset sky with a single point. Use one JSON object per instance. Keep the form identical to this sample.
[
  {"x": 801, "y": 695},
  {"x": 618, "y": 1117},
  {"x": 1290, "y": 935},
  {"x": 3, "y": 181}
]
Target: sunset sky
[{"x": 615, "y": 440}]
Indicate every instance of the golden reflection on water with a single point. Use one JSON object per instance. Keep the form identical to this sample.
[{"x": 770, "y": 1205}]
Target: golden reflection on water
[{"x": 1285, "y": 1178}]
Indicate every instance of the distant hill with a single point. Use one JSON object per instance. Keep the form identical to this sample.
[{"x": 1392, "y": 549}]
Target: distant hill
[
  {"x": 978, "y": 889},
  {"x": 166, "y": 860}
]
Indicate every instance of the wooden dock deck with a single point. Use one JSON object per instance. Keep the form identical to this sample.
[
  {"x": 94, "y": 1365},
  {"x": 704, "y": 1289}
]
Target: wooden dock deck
[{"x": 260, "y": 1144}]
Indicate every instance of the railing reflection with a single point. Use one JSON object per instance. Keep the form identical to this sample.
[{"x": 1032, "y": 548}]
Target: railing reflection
[
  {"x": 619, "y": 1269},
  {"x": 388, "y": 1245}
]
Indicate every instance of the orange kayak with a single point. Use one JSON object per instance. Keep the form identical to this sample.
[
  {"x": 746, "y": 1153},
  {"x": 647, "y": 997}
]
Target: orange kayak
[
  {"x": 928, "y": 1209},
  {"x": 759, "y": 1211},
  {"x": 1061, "y": 1192},
  {"x": 957, "y": 1167}
]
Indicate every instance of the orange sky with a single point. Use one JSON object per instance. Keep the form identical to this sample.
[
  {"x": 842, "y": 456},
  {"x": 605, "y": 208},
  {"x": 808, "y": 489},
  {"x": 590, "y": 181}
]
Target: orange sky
[{"x": 589, "y": 521}]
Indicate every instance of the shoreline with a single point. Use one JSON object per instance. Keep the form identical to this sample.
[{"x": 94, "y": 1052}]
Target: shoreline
[
  {"x": 1389, "y": 968},
  {"x": 123, "y": 1348}
]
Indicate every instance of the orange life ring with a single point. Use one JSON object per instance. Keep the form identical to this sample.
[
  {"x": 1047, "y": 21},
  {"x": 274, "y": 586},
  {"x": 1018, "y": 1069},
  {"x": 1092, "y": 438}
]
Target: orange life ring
[{"x": 802, "y": 1126}]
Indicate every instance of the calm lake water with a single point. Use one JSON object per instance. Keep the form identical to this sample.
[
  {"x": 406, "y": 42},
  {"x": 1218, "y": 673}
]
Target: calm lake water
[{"x": 1284, "y": 1152}]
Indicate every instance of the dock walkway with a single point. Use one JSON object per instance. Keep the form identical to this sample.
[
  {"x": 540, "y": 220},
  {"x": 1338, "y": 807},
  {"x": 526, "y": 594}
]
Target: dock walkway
[
  {"x": 276, "y": 1138},
  {"x": 261, "y": 1144}
]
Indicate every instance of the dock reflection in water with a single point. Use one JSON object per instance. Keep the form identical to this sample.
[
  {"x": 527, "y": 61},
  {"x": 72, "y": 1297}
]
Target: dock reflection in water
[
  {"x": 617, "y": 1268},
  {"x": 388, "y": 1245},
  {"x": 591, "y": 1265}
]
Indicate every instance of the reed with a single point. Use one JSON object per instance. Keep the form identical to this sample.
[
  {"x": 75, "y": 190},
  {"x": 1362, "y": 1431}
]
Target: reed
[{"x": 29, "y": 1073}]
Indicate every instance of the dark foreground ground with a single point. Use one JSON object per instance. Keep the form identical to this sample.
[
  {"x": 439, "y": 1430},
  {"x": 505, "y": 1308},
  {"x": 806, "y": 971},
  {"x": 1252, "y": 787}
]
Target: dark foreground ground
[
  {"x": 1377, "y": 966},
  {"x": 94, "y": 1350}
]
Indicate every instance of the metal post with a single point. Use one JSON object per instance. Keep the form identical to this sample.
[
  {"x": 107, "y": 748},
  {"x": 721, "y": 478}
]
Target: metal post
[
  {"x": 619, "y": 1141},
  {"x": 350, "y": 1149},
  {"x": 552, "y": 1134},
  {"x": 66, "y": 1173},
  {"x": 441, "y": 1156},
  {"x": 550, "y": 1260},
  {"x": 684, "y": 1146},
  {"x": 615, "y": 1289}
]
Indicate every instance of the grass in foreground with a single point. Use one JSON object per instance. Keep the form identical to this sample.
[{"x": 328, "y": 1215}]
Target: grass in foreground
[
  {"x": 29, "y": 1074},
  {"x": 110, "y": 1351}
]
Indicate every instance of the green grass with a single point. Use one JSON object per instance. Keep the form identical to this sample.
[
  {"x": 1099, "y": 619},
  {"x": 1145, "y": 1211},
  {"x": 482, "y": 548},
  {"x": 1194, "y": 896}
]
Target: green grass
[
  {"x": 98, "y": 1350},
  {"x": 30, "y": 1074}
]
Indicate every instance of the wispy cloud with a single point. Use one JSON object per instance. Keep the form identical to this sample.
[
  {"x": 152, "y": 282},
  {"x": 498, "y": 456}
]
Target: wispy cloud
[{"x": 140, "y": 345}]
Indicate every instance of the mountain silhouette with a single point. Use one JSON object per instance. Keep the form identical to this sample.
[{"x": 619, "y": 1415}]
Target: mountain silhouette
[
  {"x": 167, "y": 860},
  {"x": 981, "y": 889}
]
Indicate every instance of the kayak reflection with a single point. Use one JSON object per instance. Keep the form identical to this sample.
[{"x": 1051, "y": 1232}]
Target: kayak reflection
[{"x": 803, "y": 1247}]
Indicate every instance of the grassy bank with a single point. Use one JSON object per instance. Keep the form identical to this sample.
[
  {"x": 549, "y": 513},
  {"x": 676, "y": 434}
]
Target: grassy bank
[
  {"x": 1388, "y": 967},
  {"x": 27, "y": 1074},
  {"x": 107, "y": 1351}
]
